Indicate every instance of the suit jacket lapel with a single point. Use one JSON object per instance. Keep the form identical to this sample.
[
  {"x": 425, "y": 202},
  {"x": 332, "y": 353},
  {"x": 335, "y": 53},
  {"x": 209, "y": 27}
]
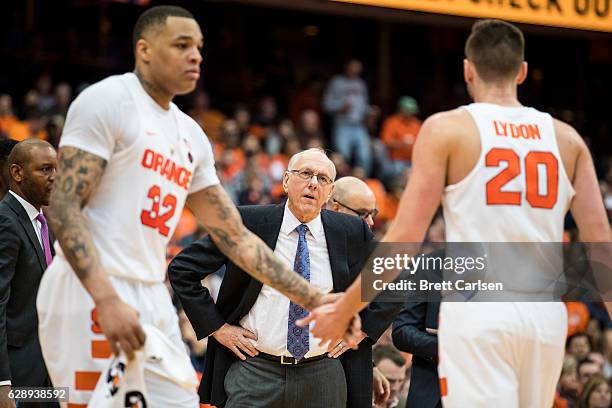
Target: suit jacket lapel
[
  {"x": 25, "y": 222},
  {"x": 268, "y": 231},
  {"x": 337, "y": 249}
]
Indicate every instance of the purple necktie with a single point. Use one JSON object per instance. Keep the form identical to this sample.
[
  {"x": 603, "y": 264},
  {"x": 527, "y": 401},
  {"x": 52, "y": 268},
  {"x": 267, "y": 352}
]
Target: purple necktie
[{"x": 44, "y": 233}]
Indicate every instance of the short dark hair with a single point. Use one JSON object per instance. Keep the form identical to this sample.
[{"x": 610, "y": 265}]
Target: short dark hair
[
  {"x": 156, "y": 16},
  {"x": 381, "y": 352},
  {"x": 496, "y": 48}
]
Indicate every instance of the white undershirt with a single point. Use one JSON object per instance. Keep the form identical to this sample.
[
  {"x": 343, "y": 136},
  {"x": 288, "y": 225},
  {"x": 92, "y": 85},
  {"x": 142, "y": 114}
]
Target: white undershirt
[{"x": 269, "y": 316}]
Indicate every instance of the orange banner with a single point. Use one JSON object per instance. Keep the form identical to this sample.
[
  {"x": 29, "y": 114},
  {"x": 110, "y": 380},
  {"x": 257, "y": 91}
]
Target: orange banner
[{"x": 593, "y": 15}]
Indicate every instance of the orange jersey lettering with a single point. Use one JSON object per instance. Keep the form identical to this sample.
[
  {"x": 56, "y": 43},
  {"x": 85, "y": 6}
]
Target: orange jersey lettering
[
  {"x": 516, "y": 131},
  {"x": 166, "y": 168}
]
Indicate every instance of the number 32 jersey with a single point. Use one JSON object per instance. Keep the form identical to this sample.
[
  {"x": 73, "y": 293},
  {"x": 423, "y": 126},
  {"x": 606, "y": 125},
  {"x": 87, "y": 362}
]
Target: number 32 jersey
[
  {"x": 518, "y": 191},
  {"x": 155, "y": 158}
]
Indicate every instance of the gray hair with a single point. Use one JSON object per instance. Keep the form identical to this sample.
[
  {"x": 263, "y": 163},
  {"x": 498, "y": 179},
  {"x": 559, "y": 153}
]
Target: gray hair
[{"x": 299, "y": 155}]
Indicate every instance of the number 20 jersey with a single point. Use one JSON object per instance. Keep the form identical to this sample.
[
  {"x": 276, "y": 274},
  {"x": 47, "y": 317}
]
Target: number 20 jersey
[
  {"x": 518, "y": 191},
  {"x": 155, "y": 158}
]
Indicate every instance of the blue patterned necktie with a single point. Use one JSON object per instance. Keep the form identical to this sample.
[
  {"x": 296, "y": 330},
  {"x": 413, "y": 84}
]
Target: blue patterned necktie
[{"x": 297, "y": 337}]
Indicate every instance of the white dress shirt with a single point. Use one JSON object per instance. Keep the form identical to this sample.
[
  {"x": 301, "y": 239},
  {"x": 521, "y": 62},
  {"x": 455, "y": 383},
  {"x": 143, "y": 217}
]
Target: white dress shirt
[
  {"x": 269, "y": 316},
  {"x": 32, "y": 214}
]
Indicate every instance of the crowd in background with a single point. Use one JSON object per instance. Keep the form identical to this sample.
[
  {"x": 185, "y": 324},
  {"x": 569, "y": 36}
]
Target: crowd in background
[{"x": 252, "y": 146}]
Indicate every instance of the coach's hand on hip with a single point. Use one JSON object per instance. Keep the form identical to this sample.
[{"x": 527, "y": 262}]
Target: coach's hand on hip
[
  {"x": 236, "y": 338},
  {"x": 119, "y": 322}
]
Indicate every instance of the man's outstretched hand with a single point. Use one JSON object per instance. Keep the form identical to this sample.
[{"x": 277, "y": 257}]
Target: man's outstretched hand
[{"x": 334, "y": 323}]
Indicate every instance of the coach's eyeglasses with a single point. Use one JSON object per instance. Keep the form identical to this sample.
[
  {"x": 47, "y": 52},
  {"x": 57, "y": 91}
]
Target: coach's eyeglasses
[
  {"x": 306, "y": 174},
  {"x": 361, "y": 213}
]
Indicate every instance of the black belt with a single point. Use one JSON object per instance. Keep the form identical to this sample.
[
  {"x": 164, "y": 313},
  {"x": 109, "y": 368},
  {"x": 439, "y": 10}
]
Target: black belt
[{"x": 284, "y": 360}]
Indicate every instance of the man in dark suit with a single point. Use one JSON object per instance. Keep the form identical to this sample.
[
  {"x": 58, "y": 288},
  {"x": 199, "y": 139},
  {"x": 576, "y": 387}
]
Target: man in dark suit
[
  {"x": 251, "y": 327},
  {"x": 415, "y": 332},
  {"x": 25, "y": 252}
]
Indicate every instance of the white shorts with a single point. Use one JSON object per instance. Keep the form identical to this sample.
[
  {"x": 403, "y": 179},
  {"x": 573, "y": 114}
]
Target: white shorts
[
  {"x": 75, "y": 349},
  {"x": 502, "y": 355}
]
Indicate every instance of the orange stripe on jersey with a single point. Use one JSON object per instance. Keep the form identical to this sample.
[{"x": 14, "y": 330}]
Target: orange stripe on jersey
[
  {"x": 71, "y": 405},
  {"x": 443, "y": 387},
  {"x": 86, "y": 380},
  {"x": 101, "y": 349}
]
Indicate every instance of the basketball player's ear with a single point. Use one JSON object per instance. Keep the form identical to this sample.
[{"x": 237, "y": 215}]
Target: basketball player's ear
[
  {"x": 522, "y": 74},
  {"x": 143, "y": 50},
  {"x": 468, "y": 71}
]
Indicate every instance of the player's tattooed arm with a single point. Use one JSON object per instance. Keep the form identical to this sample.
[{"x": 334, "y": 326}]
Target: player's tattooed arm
[
  {"x": 78, "y": 176},
  {"x": 217, "y": 213}
]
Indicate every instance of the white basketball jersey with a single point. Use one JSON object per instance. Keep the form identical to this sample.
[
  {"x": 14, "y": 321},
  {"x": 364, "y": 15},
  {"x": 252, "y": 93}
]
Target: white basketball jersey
[
  {"x": 518, "y": 191},
  {"x": 155, "y": 158}
]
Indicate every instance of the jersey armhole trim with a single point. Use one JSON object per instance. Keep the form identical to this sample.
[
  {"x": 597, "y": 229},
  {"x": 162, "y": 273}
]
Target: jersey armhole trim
[
  {"x": 473, "y": 171},
  {"x": 562, "y": 166}
]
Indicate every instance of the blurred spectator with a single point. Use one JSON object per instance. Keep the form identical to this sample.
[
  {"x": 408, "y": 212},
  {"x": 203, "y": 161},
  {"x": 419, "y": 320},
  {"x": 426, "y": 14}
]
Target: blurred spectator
[
  {"x": 346, "y": 99},
  {"x": 54, "y": 129},
  {"x": 230, "y": 134},
  {"x": 596, "y": 394},
  {"x": 268, "y": 113},
  {"x": 242, "y": 116},
  {"x": 286, "y": 130},
  {"x": 598, "y": 359},
  {"x": 309, "y": 128},
  {"x": 568, "y": 387},
  {"x": 211, "y": 120},
  {"x": 598, "y": 311},
  {"x": 606, "y": 349},
  {"x": 587, "y": 368},
  {"x": 6, "y": 145},
  {"x": 30, "y": 102},
  {"x": 7, "y": 116},
  {"x": 392, "y": 365},
  {"x": 306, "y": 96},
  {"x": 595, "y": 331},
  {"x": 400, "y": 132},
  {"x": 579, "y": 346},
  {"x": 46, "y": 100},
  {"x": 63, "y": 97},
  {"x": 342, "y": 167},
  {"x": 255, "y": 191},
  {"x": 265, "y": 124}
]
